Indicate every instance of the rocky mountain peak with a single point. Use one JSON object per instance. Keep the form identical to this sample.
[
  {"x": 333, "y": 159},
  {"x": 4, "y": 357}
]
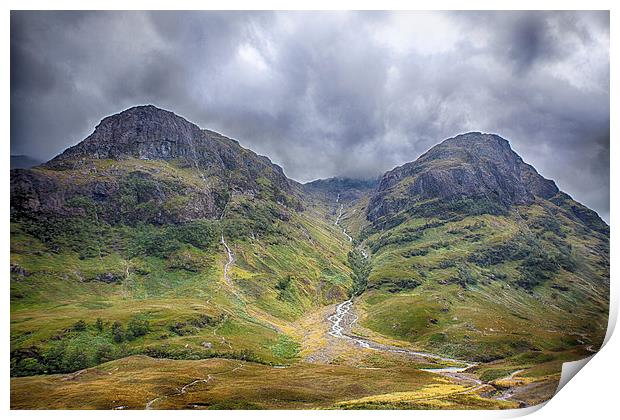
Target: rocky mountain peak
[
  {"x": 143, "y": 132},
  {"x": 468, "y": 166}
]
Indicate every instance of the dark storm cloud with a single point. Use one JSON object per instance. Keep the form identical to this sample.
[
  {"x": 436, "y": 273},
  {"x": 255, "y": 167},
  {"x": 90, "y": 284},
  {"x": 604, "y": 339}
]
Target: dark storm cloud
[{"x": 327, "y": 94}]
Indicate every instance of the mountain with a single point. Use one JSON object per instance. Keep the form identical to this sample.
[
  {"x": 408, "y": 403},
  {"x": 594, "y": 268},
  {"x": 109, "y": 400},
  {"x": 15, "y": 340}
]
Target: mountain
[
  {"x": 147, "y": 164},
  {"x": 469, "y": 173},
  {"x": 475, "y": 253},
  {"x": 169, "y": 255},
  {"x": 135, "y": 223},
  {"x": 23, "y": 162},
  {"x": 341, "y": 188}
]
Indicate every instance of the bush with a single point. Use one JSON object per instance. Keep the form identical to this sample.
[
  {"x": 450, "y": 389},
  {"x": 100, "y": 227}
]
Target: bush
[
  {"x": 181, "y": 353},
  {"x": 99, "y": 325},
  {"x": 138, "y": 327},
  {"x": 443, "y": 264},
  {"x": 360, "y": 270},
  {"x": 403, "y": 284},
  {"x": 78, "y": 234},
  {"x": 79, "y": 326},
  {"x": 148, "y": 240},
  {"x": 26, "y": 366},
  {"x": 194, "y": 325},
  {"x": 515, "y": 249},
  {"x": 536, "y": 268},
  {"x": 75, "y": 353},
  {"x": 118, "y": 333},
  {"x": 284, "y": 283},
  {"x": 415, "y": 252}
]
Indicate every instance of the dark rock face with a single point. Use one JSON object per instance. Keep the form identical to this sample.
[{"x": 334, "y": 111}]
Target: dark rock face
[
  {"x": 150, "y": 133},
  {"x": 133, "y": 192},
  {"x": 142, "y": 132},
  {"x": 108, "y": 278},
  {"x": 33, "y": 192},
  {"x": 469, "y": 166}
]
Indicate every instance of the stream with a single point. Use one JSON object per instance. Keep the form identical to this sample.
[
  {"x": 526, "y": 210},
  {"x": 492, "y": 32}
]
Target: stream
[
  {"x": 231, "y": 259},
  {"x": 340, "y": 210},
  {"x": 343, "y": 319},
  {"x": 339, "y": 329}
]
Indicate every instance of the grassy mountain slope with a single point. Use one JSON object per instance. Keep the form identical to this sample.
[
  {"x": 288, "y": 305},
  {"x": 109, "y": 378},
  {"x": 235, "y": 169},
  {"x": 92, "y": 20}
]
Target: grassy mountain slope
[
  {"x": 501, "y": 265},
  {"x": 116, "y": 251}
]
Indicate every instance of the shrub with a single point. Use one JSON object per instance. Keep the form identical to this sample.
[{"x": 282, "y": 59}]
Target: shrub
[
  {"x": 193, "y": 326},
  {"x": 360, "y": 270},
  {"x": 515, "y": 249},
  {"x": 443, "y": 264},
  {"x": 79, "y": 326},
  {"x": 99, "y": 325},
  {"x": 138, "y": 327},
  {"x": 415, "y": 252},
  {"x": 403, "y": 284},
  {"x": 284, "y": 282},
  {"x": 118, "y": 333}
]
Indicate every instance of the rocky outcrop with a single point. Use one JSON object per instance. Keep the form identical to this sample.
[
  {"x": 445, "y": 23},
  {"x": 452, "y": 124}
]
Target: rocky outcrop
[
  {"x": 204, "y": 169},
  {"x": 475, "y": 166},
  {"x": 149, "y": 133},
  {"x": 142, "y": 132}
]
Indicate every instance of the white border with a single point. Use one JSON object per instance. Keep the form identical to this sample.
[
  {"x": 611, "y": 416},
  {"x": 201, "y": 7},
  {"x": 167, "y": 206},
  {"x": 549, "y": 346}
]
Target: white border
[{"x": 592, "y": 395}]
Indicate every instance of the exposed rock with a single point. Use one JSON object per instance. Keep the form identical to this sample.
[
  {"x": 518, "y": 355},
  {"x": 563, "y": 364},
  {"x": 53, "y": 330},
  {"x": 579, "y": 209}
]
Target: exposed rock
[
  {"x": 100, "y": 174},
  {"x": 475, "y": 166},
  {"x": 19, "y": 270},
  {"x": 109, "y": 278}
]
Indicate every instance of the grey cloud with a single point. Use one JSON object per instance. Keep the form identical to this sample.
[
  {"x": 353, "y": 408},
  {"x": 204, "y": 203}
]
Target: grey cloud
[{"x": 328, "y": 93}]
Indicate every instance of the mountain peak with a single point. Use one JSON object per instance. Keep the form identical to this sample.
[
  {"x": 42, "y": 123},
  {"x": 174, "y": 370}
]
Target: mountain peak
[
  {"x": 469, "y": 166},
  {"x": 143, "y": 132},
  {"x": 472, "y": 146}
]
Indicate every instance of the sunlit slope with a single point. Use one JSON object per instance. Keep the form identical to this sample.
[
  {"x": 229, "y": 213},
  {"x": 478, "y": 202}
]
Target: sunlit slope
[{"x": 232, "y": 384}]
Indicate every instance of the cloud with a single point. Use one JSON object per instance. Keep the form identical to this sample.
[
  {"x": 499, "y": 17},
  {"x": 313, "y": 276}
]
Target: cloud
[{"x": 328, "y": 93}]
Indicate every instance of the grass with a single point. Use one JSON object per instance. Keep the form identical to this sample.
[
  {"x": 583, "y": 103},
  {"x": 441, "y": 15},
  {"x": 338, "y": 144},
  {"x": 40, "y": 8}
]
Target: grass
[
  {"x": 249, "y": 386},
  {"x": 445, "y": 396},
  {"x": 54, "y": 285},
  {"x": 463, "y": 309}
]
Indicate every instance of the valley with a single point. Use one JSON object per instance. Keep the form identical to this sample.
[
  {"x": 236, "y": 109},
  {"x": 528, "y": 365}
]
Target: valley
[{"x": 156, "y": 265}]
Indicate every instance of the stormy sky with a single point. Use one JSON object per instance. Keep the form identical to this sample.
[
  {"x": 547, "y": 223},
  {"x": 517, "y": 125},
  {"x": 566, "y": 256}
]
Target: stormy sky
[{"x": 331, "y": 93}]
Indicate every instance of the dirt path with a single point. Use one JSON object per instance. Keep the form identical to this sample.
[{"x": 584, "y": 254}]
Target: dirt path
[{"x": 187, "y": 387}]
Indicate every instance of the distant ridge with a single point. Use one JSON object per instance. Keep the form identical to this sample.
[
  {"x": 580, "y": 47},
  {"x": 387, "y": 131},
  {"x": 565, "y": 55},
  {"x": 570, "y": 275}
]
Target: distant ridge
[{"x": 24, "y": 162}]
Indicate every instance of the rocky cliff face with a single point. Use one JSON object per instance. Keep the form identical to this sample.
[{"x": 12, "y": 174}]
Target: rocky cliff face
[
  {"x": 469, "y": 166},
  {"x": 142, "y": 132},
  {"x": 149, "y": 164},
  {"x": 149, "y": 133},
  {"x": 470, "y": 173}
]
